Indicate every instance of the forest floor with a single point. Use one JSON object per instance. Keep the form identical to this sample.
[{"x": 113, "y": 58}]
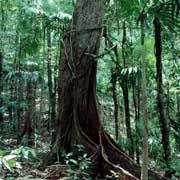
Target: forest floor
[
  {"x": 25, "y": 163},
  {"x": 19, "y": 162}
]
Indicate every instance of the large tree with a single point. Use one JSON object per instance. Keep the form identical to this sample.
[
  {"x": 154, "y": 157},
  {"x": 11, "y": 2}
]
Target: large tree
[{"x": 79, "y": 121}]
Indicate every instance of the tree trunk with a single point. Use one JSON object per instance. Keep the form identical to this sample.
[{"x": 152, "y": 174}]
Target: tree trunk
[
  {"x": 77, "y": 74},
  {"x": 178, "y": 106},
  {"x": 18, "y": 88},
  {"x": 126, "y": 95},
  {"x": 144, "y": 172},
  {"x": 52, "y": 92},
  {"x": 30, "y": 111},
  {"x": 42, "y": 86},
  {"x": 176, "y": 124},
  {"x": 114, "y": 72},
  {"x": 79, "y": 118},
  {"x": 162, "y": 118},
  {"x": 136, "y": 101}
]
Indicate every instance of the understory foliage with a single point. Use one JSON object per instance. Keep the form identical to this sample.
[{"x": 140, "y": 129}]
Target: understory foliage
[{"x": 31, "y": 35}]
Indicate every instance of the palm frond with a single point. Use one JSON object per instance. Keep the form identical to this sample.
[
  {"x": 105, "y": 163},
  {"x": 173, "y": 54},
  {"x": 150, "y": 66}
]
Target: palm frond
[{"x": 168, "y": 13}]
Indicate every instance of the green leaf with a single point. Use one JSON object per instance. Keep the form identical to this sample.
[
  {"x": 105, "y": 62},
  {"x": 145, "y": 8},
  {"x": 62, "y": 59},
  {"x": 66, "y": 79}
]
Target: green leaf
[
  {"x": 25, "y": 153},
  {"x": 33, "y": 152},
  {"x": 73, "y": 161},
  {"x": 3, "y": 152},
  {"x": 5, "y": 163},
  {"x": 11, "y": 163},
  {"x": 69, "y": 154}
]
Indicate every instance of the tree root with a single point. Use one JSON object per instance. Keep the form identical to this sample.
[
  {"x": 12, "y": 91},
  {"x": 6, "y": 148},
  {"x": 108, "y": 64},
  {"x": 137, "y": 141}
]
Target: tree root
[{"x": 107, "y": 157}]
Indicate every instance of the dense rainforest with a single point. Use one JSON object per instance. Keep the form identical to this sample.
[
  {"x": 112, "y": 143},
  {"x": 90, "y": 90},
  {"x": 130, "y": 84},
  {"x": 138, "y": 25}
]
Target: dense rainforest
[{"x": 89, "y": 89}]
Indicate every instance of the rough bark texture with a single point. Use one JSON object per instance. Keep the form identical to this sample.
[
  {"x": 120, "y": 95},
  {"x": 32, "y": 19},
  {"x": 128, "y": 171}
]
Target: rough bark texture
[
  {"x": 160, "y": 104},
  {"x": 79, "y": 122},
  {"x": 78, "y": 74}
]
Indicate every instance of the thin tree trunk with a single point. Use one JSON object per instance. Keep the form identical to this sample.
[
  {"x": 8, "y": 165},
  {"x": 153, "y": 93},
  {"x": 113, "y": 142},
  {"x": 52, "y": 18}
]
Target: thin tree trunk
[
  {"x": 42, "y": 98},
  {"x": 162, "y": 117},
  {"x": 19, "y": 88},
  {"x": 144, "y": 172},
  {"x": 11, "y": 108},
  {"x": 114, "y": 91},
  {"x": 136, "y": 99},
  {"x": 50, "y": 83},
  {"x": 178, "y": 106},
  {"x": 126, "y": 96},
  {"x": 136, "y": 109},
  {"x": 175, "y": 124},
  {"x": 138, "y": 113},
  {"x": 14, "y": 87},
  {"x": 54, "y": 110}
]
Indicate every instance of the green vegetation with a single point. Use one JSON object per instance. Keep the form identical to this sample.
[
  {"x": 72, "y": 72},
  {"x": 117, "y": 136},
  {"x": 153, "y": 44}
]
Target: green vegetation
[{"x": 53, "y": 125}]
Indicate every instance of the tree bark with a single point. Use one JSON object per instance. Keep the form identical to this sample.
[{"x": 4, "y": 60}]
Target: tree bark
[
  {"x": 144, "y": 172},
  {"x": 162, "y": 117},
  {"x": 77, "y": 73},
  {"x": 178, "y": 106},
  {"x": 30, "y": 111},
  {"x": 18, "y": 88},
  {"x": 42, "y": 86},
  {"x": 125, "y": 90},
  {"x": 114, "y": 91},
  {"x": 136, "y": 101},
  {"x": 52, "y": 91}
]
